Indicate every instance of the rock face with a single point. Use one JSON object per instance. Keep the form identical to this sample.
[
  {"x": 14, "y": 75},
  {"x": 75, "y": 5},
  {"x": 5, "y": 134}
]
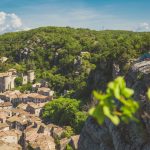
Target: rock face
[{"x": 132, "y": 136}]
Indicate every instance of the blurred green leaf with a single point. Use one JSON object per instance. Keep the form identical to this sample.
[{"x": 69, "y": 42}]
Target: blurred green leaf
[{"x": 116, "y": 104}]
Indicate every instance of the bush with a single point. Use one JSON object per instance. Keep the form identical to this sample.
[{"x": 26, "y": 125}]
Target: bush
[
  {"x": 64, "y": 112},
  {"x": 27, "y": 87},
  {"x": 18, "y": 81},
  {"x": 68, "y": 132}
]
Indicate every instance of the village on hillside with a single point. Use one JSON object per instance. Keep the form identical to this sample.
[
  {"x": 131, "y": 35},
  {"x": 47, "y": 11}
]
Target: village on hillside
[{"x": 21, "y": 126}]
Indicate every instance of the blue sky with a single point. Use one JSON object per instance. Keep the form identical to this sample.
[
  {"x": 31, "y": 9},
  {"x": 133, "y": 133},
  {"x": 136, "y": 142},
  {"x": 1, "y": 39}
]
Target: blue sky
[{"x": 93, "y": 14}]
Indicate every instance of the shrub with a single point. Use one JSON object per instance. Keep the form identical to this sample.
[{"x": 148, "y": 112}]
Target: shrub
[
  {"x": 64, "y": 112},
  {"x": 18, "y": 81}
]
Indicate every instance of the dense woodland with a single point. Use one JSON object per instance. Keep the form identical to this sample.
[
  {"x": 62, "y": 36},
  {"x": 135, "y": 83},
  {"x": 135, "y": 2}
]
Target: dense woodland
[{"x": 68, "y": 58}]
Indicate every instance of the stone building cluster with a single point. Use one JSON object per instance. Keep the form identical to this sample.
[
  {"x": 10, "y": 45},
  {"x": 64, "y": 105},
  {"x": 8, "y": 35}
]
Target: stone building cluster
[
  {"x": 22, "y": 129},
  {"x": 7, "y": 79},
  {"x": 43, "y": 95}
]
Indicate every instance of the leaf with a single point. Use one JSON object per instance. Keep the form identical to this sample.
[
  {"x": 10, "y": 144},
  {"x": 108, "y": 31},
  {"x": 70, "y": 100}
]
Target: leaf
[
  {"x": 121, "y": 82},
  {"x": 111, "y": 85},
  {"x": 117, "y": 92},
  {"x": 148, "y": 94},
  {"x": 97, "y": 95},
  {"x": 106, "y": 111},
  {"x": 97, "y": 114},
  {"x": 115, "y": 119},
  {"x": 127, "y": 92}
]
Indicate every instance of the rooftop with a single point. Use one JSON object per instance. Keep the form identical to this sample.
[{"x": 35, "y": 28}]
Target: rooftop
[
  {"x": 18, "y": 94},
  {"x": 21, "y": 120},
  {"x": 5, "y": 104},
  {"x": 35, "y": 106},
  {"x": 22, "y": 106},
  {"x": 3, "y": 125},
  {"x": 10, "y": 133},
  {"x": 44, "y": 89},
  {"x": 9, "y": 146},
  {"x": 5, "y": 74},
  {"x": 36, "y": 95},
  {"x": 43, "y": 142}
]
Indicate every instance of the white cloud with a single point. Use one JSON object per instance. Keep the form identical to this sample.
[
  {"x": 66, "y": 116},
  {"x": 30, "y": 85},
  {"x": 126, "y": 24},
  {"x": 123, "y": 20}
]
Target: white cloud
[
  {"x": 9, "y": 22},
  {"x": 143, "y": 27}
]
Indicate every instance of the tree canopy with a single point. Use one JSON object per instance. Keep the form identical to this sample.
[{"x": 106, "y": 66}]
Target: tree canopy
[{"x": 65, "y": 112}]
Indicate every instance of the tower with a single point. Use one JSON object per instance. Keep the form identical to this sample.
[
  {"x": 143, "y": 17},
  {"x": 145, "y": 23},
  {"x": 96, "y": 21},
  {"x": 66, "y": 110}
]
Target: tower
[{"x": 31, "y": 76}]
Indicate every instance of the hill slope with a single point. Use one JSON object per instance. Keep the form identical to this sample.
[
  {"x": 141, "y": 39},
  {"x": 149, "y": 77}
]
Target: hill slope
[{"x": 72, "y": 59}]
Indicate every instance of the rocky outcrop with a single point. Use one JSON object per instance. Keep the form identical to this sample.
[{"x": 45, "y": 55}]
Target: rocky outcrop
[
  {"x": 74, "y": 142},
  {"x": 132, "y": 136}
]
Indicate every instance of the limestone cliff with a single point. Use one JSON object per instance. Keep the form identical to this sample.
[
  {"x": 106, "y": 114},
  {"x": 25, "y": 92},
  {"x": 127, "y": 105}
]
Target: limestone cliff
[{"x": 132, "y": 136}]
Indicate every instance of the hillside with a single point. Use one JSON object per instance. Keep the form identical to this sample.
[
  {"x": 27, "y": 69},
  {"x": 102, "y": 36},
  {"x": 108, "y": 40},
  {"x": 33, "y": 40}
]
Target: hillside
[{"x": 78, "y": 60}]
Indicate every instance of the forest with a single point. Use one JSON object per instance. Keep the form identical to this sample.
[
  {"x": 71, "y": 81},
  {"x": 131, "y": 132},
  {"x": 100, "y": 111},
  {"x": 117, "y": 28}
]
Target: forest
[
  {"x": 67, "y": 57},
  {"x": 74, "y": 60}
]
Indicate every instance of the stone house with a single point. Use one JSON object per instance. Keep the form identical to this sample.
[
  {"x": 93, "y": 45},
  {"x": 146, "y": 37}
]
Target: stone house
[
  {"x": 31, "y": 133},
  {"x": 36, "y": 121},
  {"x": 9, "y": 96},
  {"x": 38, "y": 98},
  {"x": 4, "y": 127},
  {"x": 22, "y": 106},
  {"x": 3, "y": 118},
  {"x": 20, "y": 112},
  {"x": 57, "y": 132},
  {"x": 18, "y": 123},
  {"x": 43, "y": 142},
  {"x": 7, "y": 81},
  {"x": 6, "y": 105},
  {"x": 4, "y": 114},
  {"x": 36, "y": 109},
  {"x": 9, "y": 146},
  {"x": 21, "y": 98},
  {"x": 45, "y": 91},
  {"x": 49, "y": 128},
  {"x": 8, "y": 112},
  {"x": 10, "y": 136}
]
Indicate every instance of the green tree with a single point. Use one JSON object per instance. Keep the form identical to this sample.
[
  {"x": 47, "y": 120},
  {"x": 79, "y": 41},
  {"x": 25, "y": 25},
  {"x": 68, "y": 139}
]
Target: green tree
[
  {"x": 65, "y": 112},
  {"x": 18, "y": 81}
]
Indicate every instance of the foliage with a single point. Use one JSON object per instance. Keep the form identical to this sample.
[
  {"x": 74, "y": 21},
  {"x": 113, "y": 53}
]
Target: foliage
[
  {"x": 65, "y": 112},
  {"x": 68, "y": 132},
  {"x": 18, "y": 81},
  {"x": 116, "y": 104},
  {"x": 67, "y": 57},
  {"x": 26, "y": 87},
  {"x": 148, "y": 94},
  {"x": 79, "y": 121},
  {"x": 68, "y": 147}
]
